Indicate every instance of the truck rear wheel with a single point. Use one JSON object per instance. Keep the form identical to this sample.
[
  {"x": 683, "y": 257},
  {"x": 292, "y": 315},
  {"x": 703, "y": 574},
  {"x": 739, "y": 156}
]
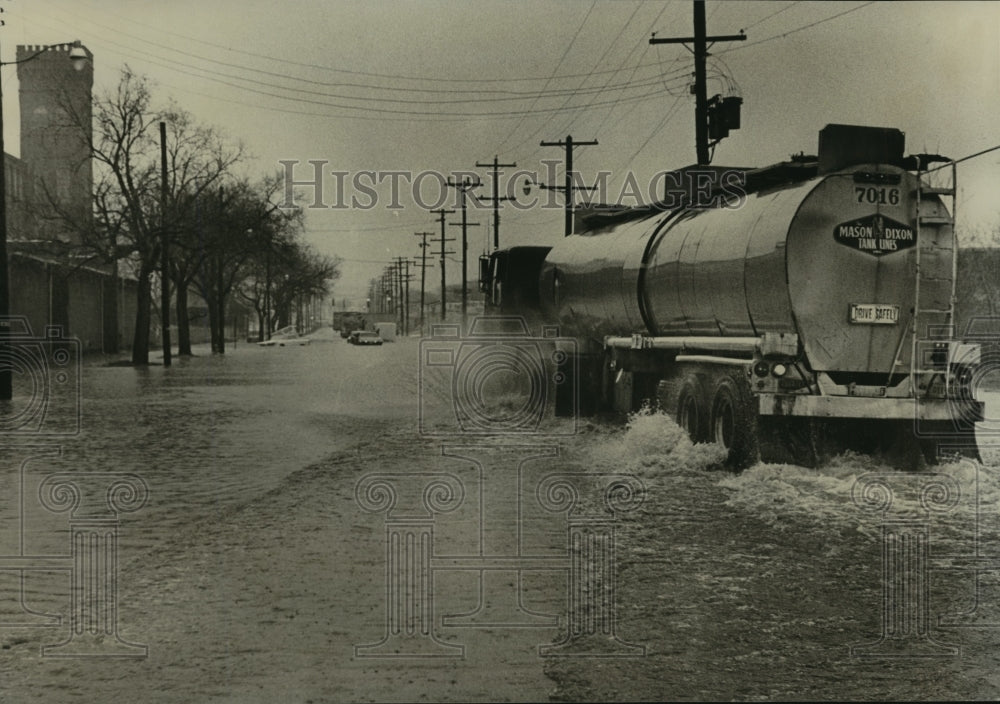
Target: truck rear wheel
[
  {"x": 734, "y": 420},
  {"x": 692, "y": 408}
]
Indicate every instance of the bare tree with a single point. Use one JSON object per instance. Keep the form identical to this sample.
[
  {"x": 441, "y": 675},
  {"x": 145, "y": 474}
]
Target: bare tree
[
  {"x": 130, "y": 220},
  {"x": 978, "y": 288}
]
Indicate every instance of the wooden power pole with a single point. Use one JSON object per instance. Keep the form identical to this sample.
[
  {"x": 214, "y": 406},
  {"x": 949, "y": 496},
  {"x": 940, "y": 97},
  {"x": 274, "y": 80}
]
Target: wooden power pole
[
  {"x": 700, "y": 90},
  {"x": 569, "y": 188}
]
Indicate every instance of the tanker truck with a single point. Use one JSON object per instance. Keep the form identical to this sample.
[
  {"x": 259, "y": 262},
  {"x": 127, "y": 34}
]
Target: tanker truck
[{"x": 786, "y": 312}]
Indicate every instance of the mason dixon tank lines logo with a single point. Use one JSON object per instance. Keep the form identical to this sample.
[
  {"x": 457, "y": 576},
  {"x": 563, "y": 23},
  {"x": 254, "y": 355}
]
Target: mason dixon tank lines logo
[{"x": 875, "y": 234}]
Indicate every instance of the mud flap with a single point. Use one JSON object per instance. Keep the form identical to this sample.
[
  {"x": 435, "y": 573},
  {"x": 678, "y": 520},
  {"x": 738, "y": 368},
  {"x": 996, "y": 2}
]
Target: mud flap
[{"x": 785, "y": 440}]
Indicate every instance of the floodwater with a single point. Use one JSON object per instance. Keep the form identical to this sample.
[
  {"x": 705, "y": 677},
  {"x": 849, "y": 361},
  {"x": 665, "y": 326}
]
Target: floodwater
[{"x": 276, "y": 480}]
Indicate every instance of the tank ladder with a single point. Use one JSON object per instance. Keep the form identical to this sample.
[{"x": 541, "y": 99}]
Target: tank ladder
[{"x": 936, "y": 263}]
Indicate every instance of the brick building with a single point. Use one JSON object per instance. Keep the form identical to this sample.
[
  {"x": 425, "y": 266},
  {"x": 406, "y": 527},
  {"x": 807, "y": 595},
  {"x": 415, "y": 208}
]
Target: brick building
[{"x": 53, "y": 279}]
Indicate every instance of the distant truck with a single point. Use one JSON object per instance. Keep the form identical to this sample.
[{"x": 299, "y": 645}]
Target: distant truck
[{"x": 347, "y": 321}]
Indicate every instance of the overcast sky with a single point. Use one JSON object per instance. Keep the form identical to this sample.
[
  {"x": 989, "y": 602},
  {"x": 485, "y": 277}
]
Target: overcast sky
[{"x": 438, "y": 85}]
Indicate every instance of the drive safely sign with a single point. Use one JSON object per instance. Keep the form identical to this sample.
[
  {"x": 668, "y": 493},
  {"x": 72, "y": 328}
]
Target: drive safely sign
[{"x": 874, "y": 313}]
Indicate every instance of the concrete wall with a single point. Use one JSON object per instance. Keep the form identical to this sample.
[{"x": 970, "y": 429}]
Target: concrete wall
[{"x": 50, "y": 294}]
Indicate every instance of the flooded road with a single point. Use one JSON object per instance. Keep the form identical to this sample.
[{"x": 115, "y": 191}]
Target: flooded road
[{"x": 301, "y": 541}]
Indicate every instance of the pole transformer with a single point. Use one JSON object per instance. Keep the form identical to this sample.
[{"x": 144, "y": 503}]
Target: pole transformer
[{"x": 700, "y": 90}]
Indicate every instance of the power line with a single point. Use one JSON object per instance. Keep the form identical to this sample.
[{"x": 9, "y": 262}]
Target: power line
[
  {"x": 561, "y": 59},
  {"x": 224, "y": 78},
  {"x": 656, "y": 130},
  {"x": 580, "y": 89},
  {"x": 257, "y": 55},
  {"x": 645, "y": 48},
  {"x": 797, "y": 29},
  {"x": 773, "y": 14}
]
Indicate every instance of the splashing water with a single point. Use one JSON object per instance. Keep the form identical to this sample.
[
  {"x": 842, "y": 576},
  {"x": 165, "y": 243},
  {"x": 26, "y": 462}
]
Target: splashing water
[
  {"x": 653, "y": 444},
  {"x": 827, "y": 496}
]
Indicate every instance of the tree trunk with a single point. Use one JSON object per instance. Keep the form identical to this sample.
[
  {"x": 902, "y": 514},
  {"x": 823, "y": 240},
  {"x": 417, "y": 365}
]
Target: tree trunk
[
  {"x": 221, "y": 318},
  {"x": 284, "y": 315},
  {"x": 213, "y": 320},
  {"x": 183, "y": 321},
  {"x": 144, "y": 299},
  {"x": 220, "y": 301}
]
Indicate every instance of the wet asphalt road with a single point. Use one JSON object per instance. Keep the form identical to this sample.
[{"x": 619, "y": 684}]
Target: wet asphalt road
[{"x": 256, "y": 570}]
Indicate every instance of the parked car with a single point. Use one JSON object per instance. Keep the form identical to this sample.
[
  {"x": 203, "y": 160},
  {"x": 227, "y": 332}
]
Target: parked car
[
  {"x": 364, "y": 337},
  {"x": 284, "y": 336}
]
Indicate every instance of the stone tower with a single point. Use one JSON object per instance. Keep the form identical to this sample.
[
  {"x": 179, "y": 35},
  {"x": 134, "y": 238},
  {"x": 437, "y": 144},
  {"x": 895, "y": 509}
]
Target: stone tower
[{"x": 56, "y": 121}]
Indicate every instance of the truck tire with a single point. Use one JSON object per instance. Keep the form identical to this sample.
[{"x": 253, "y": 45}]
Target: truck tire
[
  {"x": 734, "y": 420},
  {"x": 691, "y": 409}
]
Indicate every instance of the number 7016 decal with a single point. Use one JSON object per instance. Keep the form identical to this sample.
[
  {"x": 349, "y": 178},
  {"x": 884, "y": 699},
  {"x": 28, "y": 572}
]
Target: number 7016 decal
[{"x": 879, "y": 195}]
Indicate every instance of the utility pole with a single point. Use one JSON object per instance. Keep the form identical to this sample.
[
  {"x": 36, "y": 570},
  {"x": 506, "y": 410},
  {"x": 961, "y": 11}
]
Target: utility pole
[
  {"x": 466, "y": 185},
  {"x": 397, "y": 267},
  {"x": 386, "y": 292},
  {"x": 390, "y": 273},
  {"x": 394, "y": 282},
  {"x": 442, "y": 212},
  {"x": 569, "y": 188},
  {"x": 423, "y": 272},
  {"x": 402, "y": 267},
  {"x": 164, "y": 255},
  {"x": 495, "y": 199},
  {"x": 406, "y": 298},
  {"x": 700, "y": 51}
]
